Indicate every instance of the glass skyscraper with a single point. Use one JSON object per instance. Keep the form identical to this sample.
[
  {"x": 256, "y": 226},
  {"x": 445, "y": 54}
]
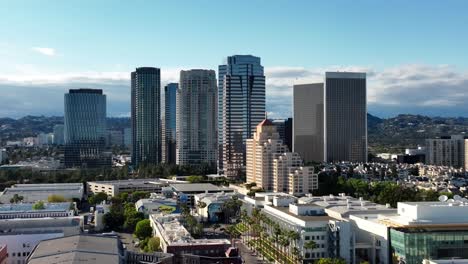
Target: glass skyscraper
[
  {"x": 345, "y": 117},
  {"x": 146, "y": 115},
  {"x": 241, "y": 107},
  {"x": 85, "y": 129},
  {"x": 308, "y": 118},
  {"x": 169, "y": 127},
  {"x": 196, "y": 118}
]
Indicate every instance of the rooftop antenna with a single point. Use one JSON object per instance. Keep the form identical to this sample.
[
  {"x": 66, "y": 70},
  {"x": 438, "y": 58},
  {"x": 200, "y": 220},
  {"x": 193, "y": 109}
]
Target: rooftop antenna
[
  {"x": 443, "y": 198},
  {"x": 266, "y": 115}
]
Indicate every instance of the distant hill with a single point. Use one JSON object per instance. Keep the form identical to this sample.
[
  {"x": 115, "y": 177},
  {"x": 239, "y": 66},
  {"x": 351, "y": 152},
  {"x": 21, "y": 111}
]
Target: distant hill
[
  {"x": 385, "y": 135},
  {"x": 28, "y": 126},
  {"x": 404, "y": 131}
]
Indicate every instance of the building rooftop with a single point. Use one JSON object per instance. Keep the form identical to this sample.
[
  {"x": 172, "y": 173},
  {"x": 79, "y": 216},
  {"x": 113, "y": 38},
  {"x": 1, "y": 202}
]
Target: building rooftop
[
  {"x": 77, "y": 249},
  {"x": 198, "y": 187},
  {"x": 306, "y": 218},
  {"x": 346, "y": 75},
  {"x": 426, "y": 214},
  {"x": 27, "y": 207},
  {"x": 174, "y": 233},
  {"x": 36, "y": 192},
  {"x": 45, "y": 222},
  {"x": 130, "y": 182},
  {"x": 343, "y": 206}
]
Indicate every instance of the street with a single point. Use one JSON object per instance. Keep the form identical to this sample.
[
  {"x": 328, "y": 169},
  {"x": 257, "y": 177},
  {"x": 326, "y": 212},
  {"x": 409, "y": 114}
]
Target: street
[{"x": 248, "y": 256}]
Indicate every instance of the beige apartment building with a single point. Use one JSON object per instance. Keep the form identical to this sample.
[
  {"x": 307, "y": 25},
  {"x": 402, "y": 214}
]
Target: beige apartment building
[{"x": 262, "y": 149}]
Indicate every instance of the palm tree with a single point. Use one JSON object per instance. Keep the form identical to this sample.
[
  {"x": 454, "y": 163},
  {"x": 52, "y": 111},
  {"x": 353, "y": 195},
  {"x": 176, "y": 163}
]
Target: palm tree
[
  {"x": 277, "y": 233},
  {"x": 294, "y": 237},
  {"x": 310, "y": 245},
  {"x": 297, "y": 254}
]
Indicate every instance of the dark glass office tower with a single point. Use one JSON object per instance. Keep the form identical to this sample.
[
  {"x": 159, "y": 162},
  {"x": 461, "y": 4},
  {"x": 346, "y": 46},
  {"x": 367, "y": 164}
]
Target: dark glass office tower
[
  {"x": 308, "y": 118},
  {"x": 169, "y": 128},
  {"x": 288, "y": 128},
  {"x": 284, "y": 129},
  {"x": 345, "y": 117},
  {"x": 146, "y": 115},
  {"x": 241, "y": 107},
  {"x": 85, "y": 129}
]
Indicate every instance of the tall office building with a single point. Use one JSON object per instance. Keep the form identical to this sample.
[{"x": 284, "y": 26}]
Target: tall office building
[
  {"x": 241, "y": 106},
  {"x": 346, "y": 117},
  {"x": 330, "y": 119},
  {"x": 146, "y": 116},
  {"x": 128, "y": 137},
  {"x": 308, "y": 118},
  {"x": 169, "y": 123},
  {"x": 196, "y": 118},
  {"x": 85, "y": 129},
  {"x": 284, "y": 128},
  {"x": 59, "y": 134},
  {"x": 288, "y": 128}
]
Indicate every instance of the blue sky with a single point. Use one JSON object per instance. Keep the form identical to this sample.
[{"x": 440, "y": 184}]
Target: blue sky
[{"x": 414, "y": 51}]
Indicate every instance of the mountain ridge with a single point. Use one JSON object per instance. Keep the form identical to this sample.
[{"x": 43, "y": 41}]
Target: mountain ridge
[{"x": 384, "y": 134}]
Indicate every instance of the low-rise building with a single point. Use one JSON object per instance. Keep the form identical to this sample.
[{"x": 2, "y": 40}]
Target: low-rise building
[
  {"x": 77, "y": 249},
  {"x": 186, "y": 191},
  {"x": 177, "y": 240},
  {"x": 114, "y": 188},
  {"x": 310, "y": 222},
  {"x": 157, "y": 204},
  {"x": 213, "y": 210},
  {"x": 26, "y": 210},
  {"x": 40, "y": 192},
  {"x": 21, "y": 235}
]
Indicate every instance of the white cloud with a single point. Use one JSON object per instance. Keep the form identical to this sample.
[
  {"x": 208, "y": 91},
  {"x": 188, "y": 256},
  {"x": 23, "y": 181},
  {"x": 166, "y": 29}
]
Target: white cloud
[
  {"x": 417, "y": 89},
  {"x": 45, "y": 51}
]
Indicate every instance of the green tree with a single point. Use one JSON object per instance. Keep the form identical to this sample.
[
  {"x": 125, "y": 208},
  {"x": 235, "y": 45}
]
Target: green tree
[
  {"x": 54, "y": 198},
  {"x": 154, "y": 244},
  {"x": 137, "y": 195},
  {"x": 124, "y": 196},
  {"x": 38, "y": 206},
  {"x": 143, "y": 229},
  {"x": 16, "y": 198},
  {"x": 132, "y": 217},
  {"x": 195, "y": 179},
  {"x": 97, "y": 198}
]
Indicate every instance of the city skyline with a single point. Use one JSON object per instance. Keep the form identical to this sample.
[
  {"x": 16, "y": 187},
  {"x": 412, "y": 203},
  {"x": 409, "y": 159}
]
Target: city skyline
[{"x": 413, "y": 63}]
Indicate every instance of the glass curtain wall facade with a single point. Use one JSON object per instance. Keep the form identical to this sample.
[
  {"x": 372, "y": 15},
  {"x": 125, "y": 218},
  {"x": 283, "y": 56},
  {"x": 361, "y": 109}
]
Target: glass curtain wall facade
[
  {"x": 196, "y": 118},
  {"x": 241, "y": 107},
  {"x": 345, "y": 117},
  {"x": 412, "y": 246},
  {"x": 85, "y": 129},
  {"x": 308, "y": 117},
  {"x": 146, "y": 115},
  {"x": 169, "y": 128}
]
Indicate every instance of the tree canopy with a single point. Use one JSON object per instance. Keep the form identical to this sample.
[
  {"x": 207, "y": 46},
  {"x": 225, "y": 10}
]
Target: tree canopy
[{"x": 143, "y": 229}]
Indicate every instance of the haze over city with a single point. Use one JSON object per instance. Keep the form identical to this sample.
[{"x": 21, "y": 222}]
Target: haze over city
[{"x": 412, "y": 51}]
